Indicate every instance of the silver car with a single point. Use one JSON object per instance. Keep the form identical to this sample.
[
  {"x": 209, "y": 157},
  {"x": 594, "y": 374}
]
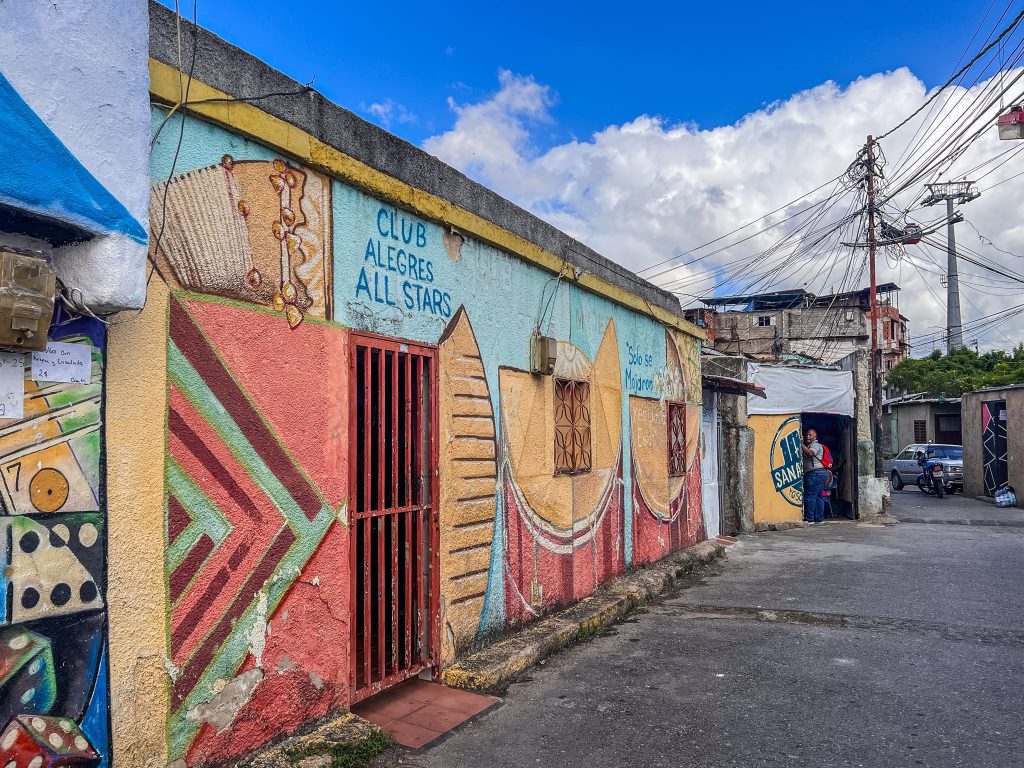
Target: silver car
[{"x": 903, "y": 469}]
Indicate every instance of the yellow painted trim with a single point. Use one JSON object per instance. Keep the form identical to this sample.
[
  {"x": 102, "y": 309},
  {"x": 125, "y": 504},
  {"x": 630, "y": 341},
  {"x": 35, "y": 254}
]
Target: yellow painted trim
[{"x": 257, "y": 124}]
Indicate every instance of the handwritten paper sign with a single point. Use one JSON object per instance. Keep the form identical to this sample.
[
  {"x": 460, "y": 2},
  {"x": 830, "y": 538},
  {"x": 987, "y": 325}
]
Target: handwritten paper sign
[
  {"x": 68, "y": 363},
  {"x": 12, "y": 385}
]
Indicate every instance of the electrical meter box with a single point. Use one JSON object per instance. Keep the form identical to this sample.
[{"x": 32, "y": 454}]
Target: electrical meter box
[
  {"x": 543, "y": 355},
  {"x": 28, "y": 286}
]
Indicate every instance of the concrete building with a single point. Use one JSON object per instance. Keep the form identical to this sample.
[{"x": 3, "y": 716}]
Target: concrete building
[
  {"x": 798, "y": 328},
  {"x": 831, "y": 400},
  {"x": 801, "y": 326},
  {"x": 74, "y": 200},
  {"x": 993, "y": 430},
  {"x": 370, "y": 417},
  {"x": 919, "y": 419},
  {"x": 731, "y": 452}
]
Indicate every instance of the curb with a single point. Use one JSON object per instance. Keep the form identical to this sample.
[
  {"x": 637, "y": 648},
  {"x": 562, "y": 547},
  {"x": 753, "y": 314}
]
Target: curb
[
  {"x": 783, "y": 525},
  {"x": 312, "y": 749},
  {"x": 492, "y": 668}
]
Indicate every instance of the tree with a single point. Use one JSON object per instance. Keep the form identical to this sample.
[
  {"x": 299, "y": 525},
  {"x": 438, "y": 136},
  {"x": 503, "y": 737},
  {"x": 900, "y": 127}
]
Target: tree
[{"x": 962, "y": 370}]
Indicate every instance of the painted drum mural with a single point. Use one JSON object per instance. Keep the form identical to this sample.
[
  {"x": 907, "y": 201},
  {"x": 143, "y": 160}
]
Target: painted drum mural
[
  {"x": 563, "y": 529},
  {"x": 665, "y": 440},
  {"x": 547, "y": 486}
]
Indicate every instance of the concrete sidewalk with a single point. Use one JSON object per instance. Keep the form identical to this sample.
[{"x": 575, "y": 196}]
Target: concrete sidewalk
[{"x": 848, "y": 644}]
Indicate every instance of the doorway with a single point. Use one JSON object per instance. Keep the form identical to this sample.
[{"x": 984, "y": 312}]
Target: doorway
[
  {"x": 993, "y": 445},
  {"x": 839, "y": 434},
  {"x": 393, "y": 511},
  {"x": 710, "y": 464}
]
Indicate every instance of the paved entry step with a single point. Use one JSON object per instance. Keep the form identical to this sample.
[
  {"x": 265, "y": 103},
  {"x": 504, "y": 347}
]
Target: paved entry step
[{"x": 417, "y": 711}]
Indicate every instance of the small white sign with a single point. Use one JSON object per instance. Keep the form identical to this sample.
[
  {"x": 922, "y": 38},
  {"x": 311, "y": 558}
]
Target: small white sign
[
  {"x": 12, "y": 385},
  {"x": 68, "y": 363}
]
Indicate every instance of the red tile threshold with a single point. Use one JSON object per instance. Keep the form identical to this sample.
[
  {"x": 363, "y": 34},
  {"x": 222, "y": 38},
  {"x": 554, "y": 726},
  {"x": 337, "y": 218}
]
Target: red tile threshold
[{"x": 418, "y": 711}]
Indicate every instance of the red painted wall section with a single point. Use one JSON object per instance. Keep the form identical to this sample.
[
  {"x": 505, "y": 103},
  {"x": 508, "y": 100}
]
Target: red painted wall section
[
  {"x": 273, "y": 496},
  {"x": 548, "y": 568},
  {"x": 655, "y": 536}
]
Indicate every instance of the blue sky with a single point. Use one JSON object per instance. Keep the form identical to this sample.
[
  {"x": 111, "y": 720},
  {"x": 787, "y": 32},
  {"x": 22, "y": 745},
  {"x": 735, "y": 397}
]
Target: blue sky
[
  {"x": 553, "y": 107},
  {"x": 607, "y": 63}
]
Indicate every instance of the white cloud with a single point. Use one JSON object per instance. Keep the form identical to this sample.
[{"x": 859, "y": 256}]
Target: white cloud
[
  {"x": 646, "y": 190},
  {"x": 389, "y": 112}
]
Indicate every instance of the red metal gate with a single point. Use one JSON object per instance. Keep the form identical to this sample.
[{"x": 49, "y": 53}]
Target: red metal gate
[{"x": 394, "y": 528}]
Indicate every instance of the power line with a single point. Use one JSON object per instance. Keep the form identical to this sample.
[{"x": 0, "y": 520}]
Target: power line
[{"x": 949, "y": 82}]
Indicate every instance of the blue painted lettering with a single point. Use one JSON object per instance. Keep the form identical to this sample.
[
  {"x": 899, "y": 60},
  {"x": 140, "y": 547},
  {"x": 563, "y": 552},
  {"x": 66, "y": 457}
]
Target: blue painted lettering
[
  {"x": 388, "y": 258},
  {"x": 363, "y": 284}
]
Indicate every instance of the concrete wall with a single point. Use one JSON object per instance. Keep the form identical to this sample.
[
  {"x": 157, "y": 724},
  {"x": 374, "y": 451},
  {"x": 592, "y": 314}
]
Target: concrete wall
[
  {"x": 818, "y": 332},
  {"x": 906, "y": 414},
  {"x": 737, "y": 449},
  {"x": 243, "y": 488},
  {"x": 80, "y": 70},
  {"x": 873, "y": 493},
  {"x": 973, "y": 429}
]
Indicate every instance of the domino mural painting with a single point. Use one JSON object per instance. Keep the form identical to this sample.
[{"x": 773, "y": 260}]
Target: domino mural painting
[
  {"x": 547, "y": 485},
  {"x": 74, "y": 136},
  {"x": 53, "y": 668}
]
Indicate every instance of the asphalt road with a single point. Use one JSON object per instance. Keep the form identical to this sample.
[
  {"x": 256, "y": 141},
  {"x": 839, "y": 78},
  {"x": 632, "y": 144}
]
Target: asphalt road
[{"x": 841, "y": 645}]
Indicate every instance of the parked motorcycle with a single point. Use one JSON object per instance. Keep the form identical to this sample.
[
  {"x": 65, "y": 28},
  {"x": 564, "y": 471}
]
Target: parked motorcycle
[{"x": 931, "y": 481}]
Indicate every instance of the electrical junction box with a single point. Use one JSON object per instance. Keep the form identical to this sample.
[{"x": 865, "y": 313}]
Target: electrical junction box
[
  {"x": 28, "y": 286},
  {"x": 543, "y": 355}
]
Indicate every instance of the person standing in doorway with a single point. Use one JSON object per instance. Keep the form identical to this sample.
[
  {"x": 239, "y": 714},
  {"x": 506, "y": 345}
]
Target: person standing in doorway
[{"x": 815, "y": 476}]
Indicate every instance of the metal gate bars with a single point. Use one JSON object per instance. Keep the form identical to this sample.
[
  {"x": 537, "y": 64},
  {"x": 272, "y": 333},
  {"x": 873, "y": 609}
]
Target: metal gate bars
[{"x": 394, "y": 528}]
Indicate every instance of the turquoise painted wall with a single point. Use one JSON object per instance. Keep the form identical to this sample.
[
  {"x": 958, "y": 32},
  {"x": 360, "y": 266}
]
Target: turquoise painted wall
[{"x": 393, "y": 275}]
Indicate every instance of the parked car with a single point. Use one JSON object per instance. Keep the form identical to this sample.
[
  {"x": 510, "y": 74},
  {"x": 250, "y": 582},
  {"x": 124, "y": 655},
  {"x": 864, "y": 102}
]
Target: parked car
[{"x": 903, "y": 469}]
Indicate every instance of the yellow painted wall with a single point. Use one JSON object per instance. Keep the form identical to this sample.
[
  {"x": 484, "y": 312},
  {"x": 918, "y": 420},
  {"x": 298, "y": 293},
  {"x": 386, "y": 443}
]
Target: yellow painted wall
[
  {"x": 775, "y": 498},
  {"x": 135, "y": 412}
]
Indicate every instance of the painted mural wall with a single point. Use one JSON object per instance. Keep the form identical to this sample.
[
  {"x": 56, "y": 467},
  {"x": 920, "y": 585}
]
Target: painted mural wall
[
  {"x": 53, "y": 633},
  {"x": 74, "y": 135},
  {"x": 263, "y": 267},
  {"x": 778, "y": 468}
]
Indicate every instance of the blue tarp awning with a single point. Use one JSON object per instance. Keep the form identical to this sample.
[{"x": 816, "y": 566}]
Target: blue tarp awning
[{"x": 41, "y": 176}]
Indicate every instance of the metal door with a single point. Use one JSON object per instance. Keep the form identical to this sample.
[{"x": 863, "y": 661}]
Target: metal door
[
  {"x": 394, "y": 524},
  {"x": 993, "y": 444},
  {"x": 709, "y": 465}
]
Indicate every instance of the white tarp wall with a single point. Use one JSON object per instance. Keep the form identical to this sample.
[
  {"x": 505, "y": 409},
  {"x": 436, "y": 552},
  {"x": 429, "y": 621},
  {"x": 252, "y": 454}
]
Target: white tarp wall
[{"x": 800, "y": 390}]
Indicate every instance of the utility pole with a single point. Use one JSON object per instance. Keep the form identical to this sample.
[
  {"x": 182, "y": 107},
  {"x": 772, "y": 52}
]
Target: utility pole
[
  {"x": 874, "y": 367},
  {"x": 948, "y": 192}
]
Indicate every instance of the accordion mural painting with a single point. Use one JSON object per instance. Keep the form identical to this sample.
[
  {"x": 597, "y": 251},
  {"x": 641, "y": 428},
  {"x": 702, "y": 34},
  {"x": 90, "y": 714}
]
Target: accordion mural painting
[{"x": 254, "y": 231}]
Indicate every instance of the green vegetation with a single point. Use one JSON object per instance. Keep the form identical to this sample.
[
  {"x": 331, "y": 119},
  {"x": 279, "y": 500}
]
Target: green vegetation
[
  {"x": 585, "y": 635},
  {"x": 357, "y": 754},
  {"x": 960, "y": 371}
]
